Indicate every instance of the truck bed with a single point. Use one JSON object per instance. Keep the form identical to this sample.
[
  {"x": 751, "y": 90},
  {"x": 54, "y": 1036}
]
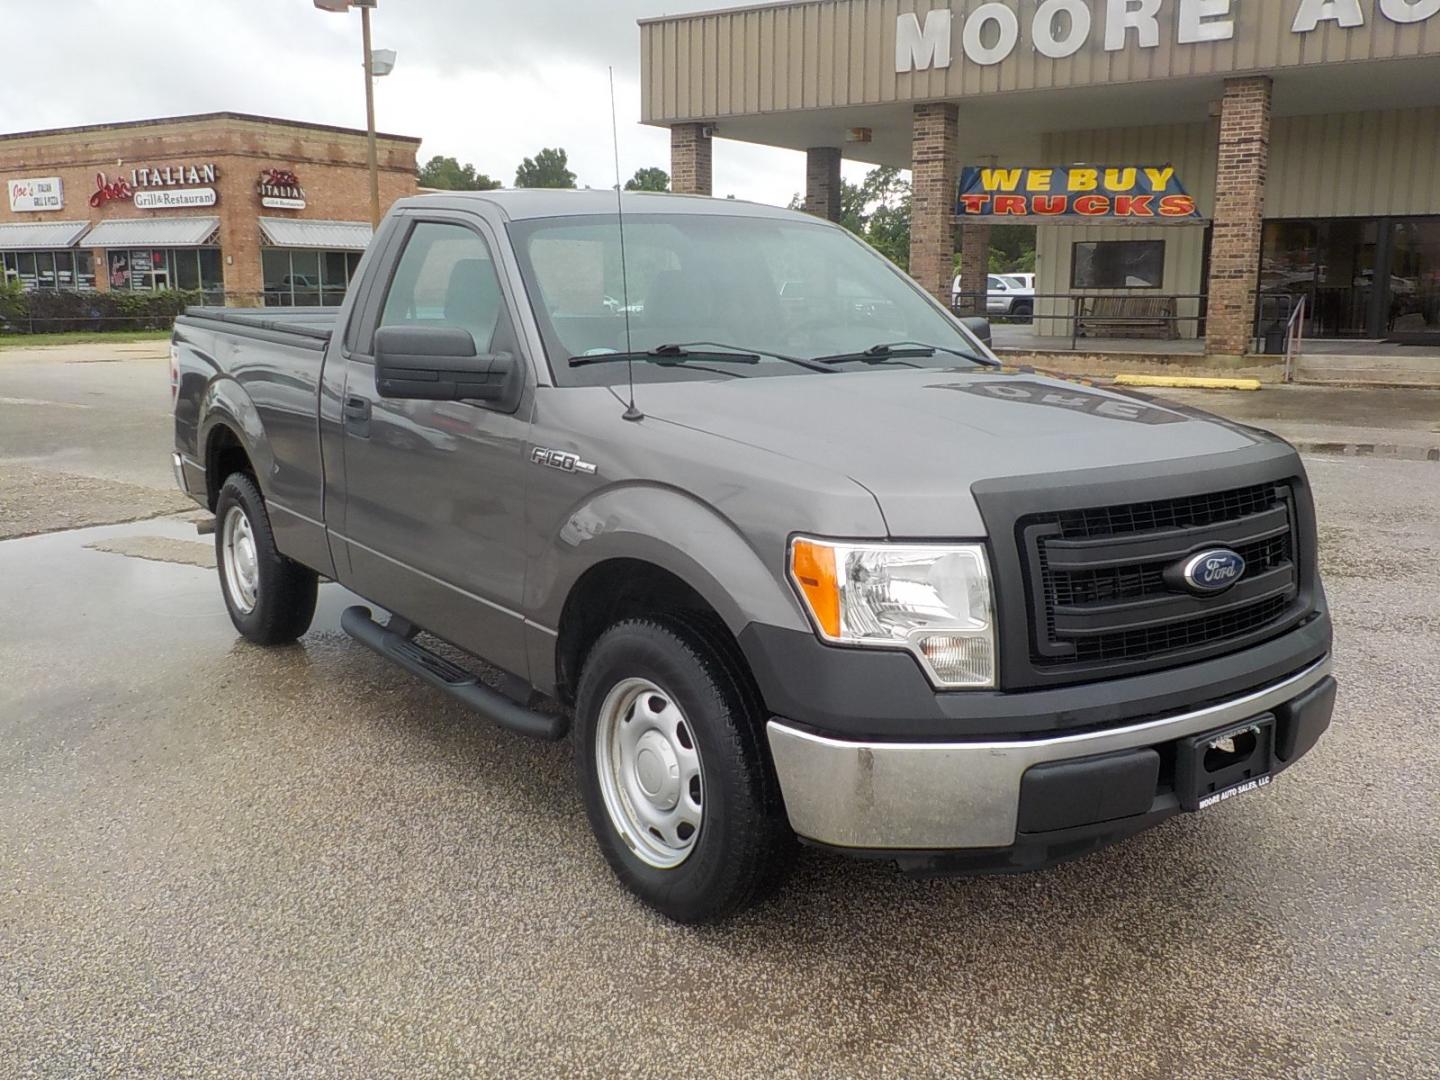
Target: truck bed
[{"x": 311, "y": 322}]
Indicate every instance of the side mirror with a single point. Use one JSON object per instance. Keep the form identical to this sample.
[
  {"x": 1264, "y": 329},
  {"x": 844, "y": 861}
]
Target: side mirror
[
  {"x": 980, "y": 327},
  {"x": 438, "y": 363}
]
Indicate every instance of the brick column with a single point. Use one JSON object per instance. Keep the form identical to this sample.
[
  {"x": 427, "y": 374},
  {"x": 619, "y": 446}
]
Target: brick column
[
  {"x": 690, "y": 159},
  {"x": 974, "y": 267},
  {"x": 822, "y": 182},
  {"x": 935, "y": 163},
  {"x": 1239, "y": 214}
]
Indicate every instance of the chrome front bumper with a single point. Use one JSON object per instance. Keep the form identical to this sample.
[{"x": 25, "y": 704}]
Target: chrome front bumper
[{"x": 963, "y": 795}]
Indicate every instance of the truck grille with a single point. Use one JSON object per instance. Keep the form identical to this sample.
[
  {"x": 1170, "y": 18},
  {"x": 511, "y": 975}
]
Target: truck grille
[{"x": 1096, "y": 576}]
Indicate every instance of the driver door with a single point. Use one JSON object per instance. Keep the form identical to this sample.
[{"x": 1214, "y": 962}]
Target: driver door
[{"x": 435, "y": 489}]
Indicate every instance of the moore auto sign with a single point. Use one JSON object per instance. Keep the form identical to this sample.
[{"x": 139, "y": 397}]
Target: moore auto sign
[{"x": 991, "y": 32}]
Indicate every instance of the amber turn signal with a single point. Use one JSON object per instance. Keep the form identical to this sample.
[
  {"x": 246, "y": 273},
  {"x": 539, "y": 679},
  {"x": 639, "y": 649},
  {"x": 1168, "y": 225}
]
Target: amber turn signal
[{"x": 812, "y": 566}]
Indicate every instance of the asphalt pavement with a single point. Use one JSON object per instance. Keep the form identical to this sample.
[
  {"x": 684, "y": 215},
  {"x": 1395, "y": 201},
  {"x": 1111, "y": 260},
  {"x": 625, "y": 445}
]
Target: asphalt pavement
[{"x": 219, "y": 860}]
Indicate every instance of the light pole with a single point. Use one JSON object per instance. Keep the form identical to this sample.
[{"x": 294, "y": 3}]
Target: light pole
[{"x": 377, "y": 63}]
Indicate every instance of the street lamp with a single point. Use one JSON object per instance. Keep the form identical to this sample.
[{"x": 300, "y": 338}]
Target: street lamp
[{"x": 378, "y": 62}]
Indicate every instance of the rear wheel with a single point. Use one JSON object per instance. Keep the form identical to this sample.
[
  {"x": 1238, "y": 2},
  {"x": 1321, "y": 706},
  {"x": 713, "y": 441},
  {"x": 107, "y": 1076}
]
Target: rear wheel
[
  {"x": 677, "y": 786},
  {"x": 1023, "y": 311},
  {"x": 271, "y": 599}
]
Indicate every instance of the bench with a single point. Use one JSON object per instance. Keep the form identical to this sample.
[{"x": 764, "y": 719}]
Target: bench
[{"x": 1127, "y": 316}]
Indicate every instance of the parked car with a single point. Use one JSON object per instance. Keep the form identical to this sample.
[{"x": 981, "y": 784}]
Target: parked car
[
  {"x": 810, "y": 567},
  {"x": 1005, "y": 297},
  {"x": 1025, "y": 281}
]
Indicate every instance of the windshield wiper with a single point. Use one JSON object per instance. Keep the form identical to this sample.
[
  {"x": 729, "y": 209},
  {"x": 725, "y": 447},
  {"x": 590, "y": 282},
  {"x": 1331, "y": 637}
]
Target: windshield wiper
[
  {"x": 899, "y": 350},
  {"x": 705, "y": 350},
  {"x": 666, "y": 355}
]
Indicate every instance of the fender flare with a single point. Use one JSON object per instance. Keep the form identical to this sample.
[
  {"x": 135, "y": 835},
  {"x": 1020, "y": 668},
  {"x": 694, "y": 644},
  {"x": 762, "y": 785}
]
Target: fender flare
[
  {"x": 678, "y": 533},
  {"x": 227, "y": 405}
]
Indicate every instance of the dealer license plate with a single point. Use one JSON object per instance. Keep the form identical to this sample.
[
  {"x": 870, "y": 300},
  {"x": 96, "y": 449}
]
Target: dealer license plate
[{"x": 1221, "y": 765}]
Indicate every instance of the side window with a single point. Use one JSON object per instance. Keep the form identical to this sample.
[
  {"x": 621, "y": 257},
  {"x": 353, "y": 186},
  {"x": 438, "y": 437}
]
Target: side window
[{"x": 445, "y": 277}]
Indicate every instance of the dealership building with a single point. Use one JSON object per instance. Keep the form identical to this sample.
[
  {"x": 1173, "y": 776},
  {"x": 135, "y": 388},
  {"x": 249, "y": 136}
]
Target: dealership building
[
  {"x": 1193, "y": 167},
  {"x": 248, "y": 208}
]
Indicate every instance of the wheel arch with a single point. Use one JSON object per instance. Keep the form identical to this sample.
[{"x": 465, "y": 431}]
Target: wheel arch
[
  {"x": 614, "y": 590},
  {"x": 232, "y": 438}
]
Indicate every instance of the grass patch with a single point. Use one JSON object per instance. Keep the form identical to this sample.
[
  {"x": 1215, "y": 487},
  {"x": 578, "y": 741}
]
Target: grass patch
[{"x": 80, "y": 337}]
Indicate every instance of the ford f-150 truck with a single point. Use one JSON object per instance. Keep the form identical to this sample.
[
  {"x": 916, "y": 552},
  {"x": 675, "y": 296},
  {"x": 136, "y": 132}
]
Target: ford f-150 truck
[{"x": 793, "y": 553}]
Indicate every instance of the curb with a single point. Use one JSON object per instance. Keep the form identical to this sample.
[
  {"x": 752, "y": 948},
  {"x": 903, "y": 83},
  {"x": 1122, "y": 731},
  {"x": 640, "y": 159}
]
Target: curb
[{"x": 1390, "y": 451}]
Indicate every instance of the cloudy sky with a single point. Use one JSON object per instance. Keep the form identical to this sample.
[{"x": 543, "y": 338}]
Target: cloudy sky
[{"x": 487, "y": 81}]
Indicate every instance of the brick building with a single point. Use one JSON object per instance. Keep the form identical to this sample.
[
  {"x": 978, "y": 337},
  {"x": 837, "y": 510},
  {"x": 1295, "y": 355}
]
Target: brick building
[
  {"x": 249, "y": 208},
  {"x": 1200, "y": 165}
]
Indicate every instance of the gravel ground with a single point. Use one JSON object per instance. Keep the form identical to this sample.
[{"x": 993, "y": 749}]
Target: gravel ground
[
  {"x": 220, "y": 860},
  {"x": 34, "y": 500}
]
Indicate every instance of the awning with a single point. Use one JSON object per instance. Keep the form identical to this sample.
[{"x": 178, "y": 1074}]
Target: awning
[
  {"x": 153, "y": 232},
  {"x": 41, "y": 235},
  {"x": 326, "y": 235}
]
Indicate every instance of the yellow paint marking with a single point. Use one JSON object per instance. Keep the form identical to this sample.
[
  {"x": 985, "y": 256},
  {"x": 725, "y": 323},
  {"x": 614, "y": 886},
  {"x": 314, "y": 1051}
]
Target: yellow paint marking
[{"x": 1183, "y": 382}]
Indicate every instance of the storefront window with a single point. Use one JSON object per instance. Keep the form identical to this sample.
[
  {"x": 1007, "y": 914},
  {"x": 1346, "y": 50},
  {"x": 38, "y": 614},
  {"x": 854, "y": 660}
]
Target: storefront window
[
  {"x": 166, "y": 268},
  {"x": 298, "y": 277},
  {"x": 49, "y": 269},
  {"x": 1331, "y": 263},
  {"x": 27, "y": 270},
  {"x": 1414, "y": 307},
  {"x": 212, "y": 277},
  {"x": 1118, "y": 264}
]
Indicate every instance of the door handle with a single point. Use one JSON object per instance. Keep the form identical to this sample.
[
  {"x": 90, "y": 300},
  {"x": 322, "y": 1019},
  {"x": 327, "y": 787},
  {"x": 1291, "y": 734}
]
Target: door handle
[{"x": 357, "y": 408}]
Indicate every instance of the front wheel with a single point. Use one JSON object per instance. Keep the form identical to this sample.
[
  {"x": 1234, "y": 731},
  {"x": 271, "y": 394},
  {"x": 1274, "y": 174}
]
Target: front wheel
[
  {"x": 677, "y": 786},
  {"x": 271, "y": 599}
]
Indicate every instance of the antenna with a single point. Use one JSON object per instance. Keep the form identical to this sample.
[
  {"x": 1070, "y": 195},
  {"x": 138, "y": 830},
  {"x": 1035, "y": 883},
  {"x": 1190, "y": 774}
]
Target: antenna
[{"x": 631, "y": 412}]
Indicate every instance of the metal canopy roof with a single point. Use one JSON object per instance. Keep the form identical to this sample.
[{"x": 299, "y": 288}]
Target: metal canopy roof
[
  {"x": 153, "y": 232},
  {"x": 326, "y": 235},
  {"x": 41, "y": 235}
]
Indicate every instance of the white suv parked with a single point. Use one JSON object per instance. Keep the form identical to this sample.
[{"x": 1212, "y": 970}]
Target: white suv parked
[{"x": 1007, "y": 296}]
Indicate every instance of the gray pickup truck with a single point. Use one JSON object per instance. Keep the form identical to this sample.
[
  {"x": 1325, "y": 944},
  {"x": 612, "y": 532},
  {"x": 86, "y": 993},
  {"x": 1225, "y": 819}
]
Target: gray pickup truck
[{"x": 793, "y": 553}]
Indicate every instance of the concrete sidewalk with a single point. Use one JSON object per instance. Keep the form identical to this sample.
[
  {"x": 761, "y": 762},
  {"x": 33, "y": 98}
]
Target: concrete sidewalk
[{"x": 1327, "y": 419}]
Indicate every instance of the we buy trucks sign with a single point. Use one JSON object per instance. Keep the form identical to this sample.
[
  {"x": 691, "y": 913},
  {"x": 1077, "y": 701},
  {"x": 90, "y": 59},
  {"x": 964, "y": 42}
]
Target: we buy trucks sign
[{"x": 1151, "y": 194}]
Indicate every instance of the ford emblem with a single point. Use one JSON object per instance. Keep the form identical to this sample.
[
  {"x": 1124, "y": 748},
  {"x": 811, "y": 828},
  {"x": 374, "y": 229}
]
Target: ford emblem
[{"x": 1207, "y": 573}]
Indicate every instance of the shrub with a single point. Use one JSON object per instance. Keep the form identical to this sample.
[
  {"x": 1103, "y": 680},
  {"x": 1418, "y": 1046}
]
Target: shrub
[
  {"x": 55, "y": 312},
  {"x": 12, "y": 302}
]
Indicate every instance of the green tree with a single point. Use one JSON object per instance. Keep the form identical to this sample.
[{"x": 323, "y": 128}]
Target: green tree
[
  {"x": 448, "y": 174},
  {"x": 547, "y": 169},
  {"x": 1012, "y": 249},
  {"x": 886, "y": 196},
  {"x": 649, "y": 179},
  {"x": 877, "y": 210}
]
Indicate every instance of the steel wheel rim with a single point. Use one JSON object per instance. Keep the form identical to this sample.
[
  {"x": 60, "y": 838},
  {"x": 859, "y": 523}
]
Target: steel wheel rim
[
  {"x": 240, "y": 559},
  {"x": 650, "y": 773}
]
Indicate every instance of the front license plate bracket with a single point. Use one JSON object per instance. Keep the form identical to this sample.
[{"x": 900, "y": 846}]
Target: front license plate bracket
[{"x": 1219, "y": 765}]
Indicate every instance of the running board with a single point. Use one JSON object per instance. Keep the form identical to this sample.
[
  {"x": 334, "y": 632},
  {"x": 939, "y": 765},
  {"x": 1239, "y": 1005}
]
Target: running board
[{"x": 452, "y": 679}]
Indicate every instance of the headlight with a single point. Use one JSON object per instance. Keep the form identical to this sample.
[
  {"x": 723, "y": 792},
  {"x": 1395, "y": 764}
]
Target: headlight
[{"x": 933, "y": 600}]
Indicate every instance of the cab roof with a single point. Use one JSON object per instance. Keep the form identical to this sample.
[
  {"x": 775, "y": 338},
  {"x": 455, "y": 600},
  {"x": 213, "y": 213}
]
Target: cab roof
[{"x": 521, "y": 203}]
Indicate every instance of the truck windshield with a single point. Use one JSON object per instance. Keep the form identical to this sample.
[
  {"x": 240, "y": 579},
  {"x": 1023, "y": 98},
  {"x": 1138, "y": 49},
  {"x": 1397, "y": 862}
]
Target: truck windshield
[{"x": 780, "y": 288}]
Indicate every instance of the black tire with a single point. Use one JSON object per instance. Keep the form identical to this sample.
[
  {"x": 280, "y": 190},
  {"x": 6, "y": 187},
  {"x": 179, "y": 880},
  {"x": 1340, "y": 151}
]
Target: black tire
[
  {"x": 1023, "y": 311},
  {"x": 284, "y": 601},
  {"x": 744, "y": 840}
]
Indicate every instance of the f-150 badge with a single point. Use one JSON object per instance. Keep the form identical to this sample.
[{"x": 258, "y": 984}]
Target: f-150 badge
[{"x": 562, "y": 460}]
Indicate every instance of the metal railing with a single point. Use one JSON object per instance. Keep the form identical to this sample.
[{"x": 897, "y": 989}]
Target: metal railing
[
  {"x": 1279, "y": 324},
  {"x": 1294, "y": 339},
  {"x": 1079, "y": 312}
]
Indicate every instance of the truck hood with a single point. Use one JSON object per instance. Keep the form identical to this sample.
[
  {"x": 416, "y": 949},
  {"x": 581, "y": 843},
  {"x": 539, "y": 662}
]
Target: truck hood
[{"x": 917, "y": 440}]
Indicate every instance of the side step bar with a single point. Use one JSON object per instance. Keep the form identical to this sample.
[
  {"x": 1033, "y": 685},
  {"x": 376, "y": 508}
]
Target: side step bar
[{"x": 455, "y": 681}]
